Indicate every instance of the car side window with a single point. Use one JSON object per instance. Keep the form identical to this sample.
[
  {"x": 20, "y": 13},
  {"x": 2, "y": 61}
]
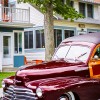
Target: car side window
[{"x": 97, "y": 53}]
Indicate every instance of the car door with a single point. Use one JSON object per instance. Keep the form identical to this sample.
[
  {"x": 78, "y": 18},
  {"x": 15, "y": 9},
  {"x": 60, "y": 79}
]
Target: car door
[{"x": 94, "y": 63}]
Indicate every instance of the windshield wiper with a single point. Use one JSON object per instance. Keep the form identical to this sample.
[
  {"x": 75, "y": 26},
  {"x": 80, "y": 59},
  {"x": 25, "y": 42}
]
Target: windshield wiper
[
  {"x": 77, "y": 58},
  {"x": 82, "y": 55}
]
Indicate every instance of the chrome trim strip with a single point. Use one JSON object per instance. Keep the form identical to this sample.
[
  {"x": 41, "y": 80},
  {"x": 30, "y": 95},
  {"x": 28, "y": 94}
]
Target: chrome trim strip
[{"x": 17, "y": 93}]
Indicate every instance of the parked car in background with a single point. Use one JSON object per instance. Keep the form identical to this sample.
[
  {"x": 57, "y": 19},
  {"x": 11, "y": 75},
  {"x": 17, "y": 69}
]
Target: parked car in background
[{"x": 73, "y": 73}]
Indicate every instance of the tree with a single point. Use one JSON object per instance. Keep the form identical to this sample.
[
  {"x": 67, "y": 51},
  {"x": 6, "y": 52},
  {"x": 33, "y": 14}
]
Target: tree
[{"x": 49, "y": 7}]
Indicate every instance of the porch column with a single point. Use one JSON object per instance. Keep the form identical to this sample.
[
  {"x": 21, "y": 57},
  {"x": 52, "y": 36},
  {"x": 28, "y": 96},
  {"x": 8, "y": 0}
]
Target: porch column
[{"x": 0, "y": 61}]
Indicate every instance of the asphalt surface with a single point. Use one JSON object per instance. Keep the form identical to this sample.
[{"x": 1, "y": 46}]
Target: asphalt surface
[{"x": 1, "y": 92}]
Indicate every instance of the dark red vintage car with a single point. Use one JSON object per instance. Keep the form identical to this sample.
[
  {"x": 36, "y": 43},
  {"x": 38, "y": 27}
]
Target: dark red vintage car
[{"x": 73, "y": 73}]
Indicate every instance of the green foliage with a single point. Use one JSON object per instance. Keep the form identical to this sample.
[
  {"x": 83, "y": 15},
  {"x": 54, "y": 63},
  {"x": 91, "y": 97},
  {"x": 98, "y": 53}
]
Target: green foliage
[
  {"x": 66, "y": 11},
  {"x": 59, "y": 7},
  {"x": 5, "y": 75}
]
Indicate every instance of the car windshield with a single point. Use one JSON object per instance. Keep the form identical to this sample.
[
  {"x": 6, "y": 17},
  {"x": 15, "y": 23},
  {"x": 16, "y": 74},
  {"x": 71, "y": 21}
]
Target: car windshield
[
  {"x": 61, "y": 52},
  {"x": 73, "y": 52}
]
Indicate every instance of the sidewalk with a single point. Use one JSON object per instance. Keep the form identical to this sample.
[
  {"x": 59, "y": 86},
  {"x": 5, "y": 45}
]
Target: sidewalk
[{"x": 1, "y": 92}]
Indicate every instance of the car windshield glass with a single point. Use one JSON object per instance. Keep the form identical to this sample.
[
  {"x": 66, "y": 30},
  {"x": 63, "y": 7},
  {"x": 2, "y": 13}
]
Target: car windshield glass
[
  {"x": 61, "y": 52},
  {"x": 78, "y": 52},
  {"x": 73, "y": 52}
]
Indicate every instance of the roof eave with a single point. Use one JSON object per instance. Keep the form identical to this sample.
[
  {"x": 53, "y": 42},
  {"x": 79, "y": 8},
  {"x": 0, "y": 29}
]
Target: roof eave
[
  {"x": 90, "y": 1},
  {"x": 17, "y": 25}
]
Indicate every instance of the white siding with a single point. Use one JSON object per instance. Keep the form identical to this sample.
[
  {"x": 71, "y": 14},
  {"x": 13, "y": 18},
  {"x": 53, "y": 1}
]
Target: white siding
[
  {"x": 12, "y": 0},
  {"x": 35, "y": 56},
  {"x": 36, "y": 17},
  {"x": 76, "y": 5}
]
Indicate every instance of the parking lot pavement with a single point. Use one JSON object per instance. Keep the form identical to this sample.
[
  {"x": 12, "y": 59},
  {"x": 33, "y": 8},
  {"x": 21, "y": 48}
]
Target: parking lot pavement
[{"x": 1, "y": 92}]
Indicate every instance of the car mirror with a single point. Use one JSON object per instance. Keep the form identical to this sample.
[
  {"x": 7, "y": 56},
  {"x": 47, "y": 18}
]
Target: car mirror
[{"x": 95, "y": 57}]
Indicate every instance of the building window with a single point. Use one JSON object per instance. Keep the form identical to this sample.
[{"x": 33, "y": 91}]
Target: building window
[
  {"x": 68, "y": 33},
  {"x": 57, "y": 36},
  {"x": 71, "y": 3},
  {"x": 12, "y": 4},
  {"x": 40, "y": 39},
  {"x": 89, "y": 10},
  {"x": 63, "y": 1},
  {"x": 6, "y": 46},
  {"x": 28, "y": 39},
  {"x": 82, "y": 8},
  {"x": 18, "y": 42}
]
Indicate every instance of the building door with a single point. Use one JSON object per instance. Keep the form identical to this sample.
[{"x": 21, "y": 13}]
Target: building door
[
  {"x": 19, "y": 57},
  {"x": 7, "y": 51}
]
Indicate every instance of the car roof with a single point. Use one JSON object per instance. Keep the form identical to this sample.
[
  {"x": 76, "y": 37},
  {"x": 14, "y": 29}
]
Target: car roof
[{"x": 90, "y": 37}]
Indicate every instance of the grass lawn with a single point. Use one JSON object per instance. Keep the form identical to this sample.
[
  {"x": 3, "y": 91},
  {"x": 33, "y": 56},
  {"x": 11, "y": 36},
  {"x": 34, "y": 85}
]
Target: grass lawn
[{"x": 4, "y": 75}]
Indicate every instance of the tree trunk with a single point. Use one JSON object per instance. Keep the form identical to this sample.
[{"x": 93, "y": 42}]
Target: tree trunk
[{"x": 49, "y": 32}]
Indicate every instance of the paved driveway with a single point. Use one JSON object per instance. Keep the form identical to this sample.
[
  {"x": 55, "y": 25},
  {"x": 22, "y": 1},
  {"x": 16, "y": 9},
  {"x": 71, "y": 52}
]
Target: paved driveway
[{"x": 1, "y": 92}]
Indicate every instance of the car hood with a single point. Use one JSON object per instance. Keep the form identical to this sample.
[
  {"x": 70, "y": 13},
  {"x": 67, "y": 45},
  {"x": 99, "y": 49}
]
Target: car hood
[
  {"x": 57, "y": 83},
  {"x": 49, "y": 69}
]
